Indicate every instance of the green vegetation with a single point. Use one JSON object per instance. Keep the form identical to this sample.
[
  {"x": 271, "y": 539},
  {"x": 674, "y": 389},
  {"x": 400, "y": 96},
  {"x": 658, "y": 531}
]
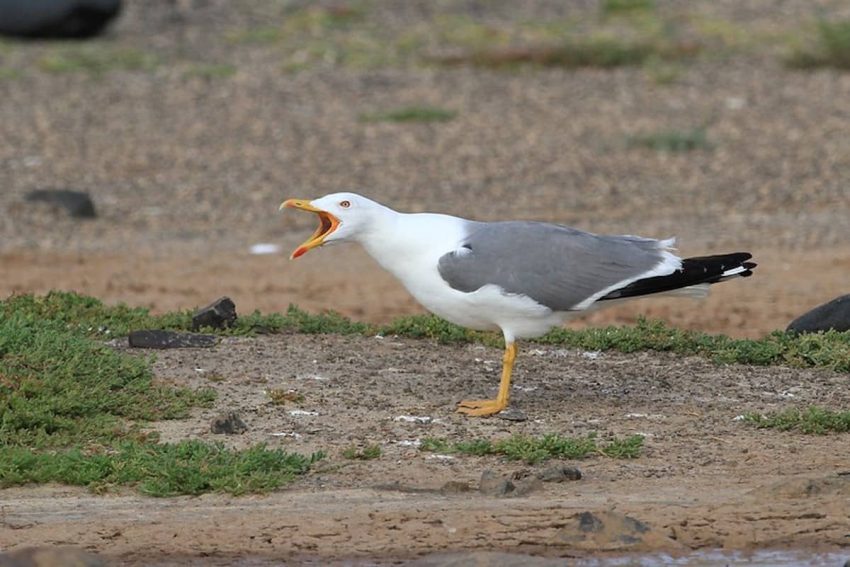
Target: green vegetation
[
  {"x": 210, "y": 70},
  {"x": 674, "y": 141},
  {"x": 410, "y": 114},
  {"x": 8, "y": 73},
  {"x": 627, "y": 7},
  {"x": 260, "y": 35},
  {"x": 810, "y": 420},
  {"x": 72, "y": 409},
  {"x": 536, "y": 449},
  {"x": 282, "y": 397},
  {"x": 188, "y": 467},
  {"x": 831, "y": 48},
  {"x": 628, "y": 32},
  {"x": 91, "y": 318},
  {"x": 366, "y": 454},
  {"x": 96, "y": 59}
]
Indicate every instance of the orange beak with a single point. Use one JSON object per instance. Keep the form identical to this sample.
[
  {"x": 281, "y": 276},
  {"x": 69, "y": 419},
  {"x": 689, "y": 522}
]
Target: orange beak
[{"x": 327, "y": 224}]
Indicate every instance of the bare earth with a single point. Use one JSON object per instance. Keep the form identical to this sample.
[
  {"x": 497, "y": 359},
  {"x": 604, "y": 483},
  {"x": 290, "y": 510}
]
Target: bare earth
[
  {"x": 187, "y": 171},
  {"x": 705, "y": 480}
]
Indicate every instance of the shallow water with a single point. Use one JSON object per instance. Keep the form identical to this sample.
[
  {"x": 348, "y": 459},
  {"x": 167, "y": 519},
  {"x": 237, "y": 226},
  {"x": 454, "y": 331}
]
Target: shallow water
[
  {"x": 718, "y": 558},
  {"x": 703, "y": 558}
]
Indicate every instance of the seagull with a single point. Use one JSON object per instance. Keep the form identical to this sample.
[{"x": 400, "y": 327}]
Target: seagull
[{"x": 522, "y": 278}]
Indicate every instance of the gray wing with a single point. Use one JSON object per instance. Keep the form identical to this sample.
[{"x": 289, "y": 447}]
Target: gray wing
[{"x": 555, "y": 265}]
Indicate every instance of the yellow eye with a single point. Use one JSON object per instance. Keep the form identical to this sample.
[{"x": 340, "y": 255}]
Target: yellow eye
[{"x": 344, "y": 204}]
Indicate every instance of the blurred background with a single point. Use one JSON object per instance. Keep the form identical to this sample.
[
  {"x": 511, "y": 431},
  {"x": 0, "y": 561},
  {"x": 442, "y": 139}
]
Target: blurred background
[{"x": 145, "y": 161}]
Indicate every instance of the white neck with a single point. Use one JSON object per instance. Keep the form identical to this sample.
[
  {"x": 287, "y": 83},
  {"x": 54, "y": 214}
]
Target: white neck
[{"x": 404, "y": 244}]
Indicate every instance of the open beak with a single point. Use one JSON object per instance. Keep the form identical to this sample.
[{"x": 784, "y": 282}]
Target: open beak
[{"x": 327, "y": 224}]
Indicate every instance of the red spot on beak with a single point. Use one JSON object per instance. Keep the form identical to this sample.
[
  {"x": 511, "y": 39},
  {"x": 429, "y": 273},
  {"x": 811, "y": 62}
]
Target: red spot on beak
[{"x": 300, "y": 251}]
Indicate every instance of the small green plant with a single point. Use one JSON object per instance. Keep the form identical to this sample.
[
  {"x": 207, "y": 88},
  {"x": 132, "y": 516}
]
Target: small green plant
[
  {"x": 261, "y": 35},
  {"x": 366, "y": 454},
  {"x": 410, "y": 114},
  {"x": 429, "y": 327},
  {"x": 831, "y": 49},
  {"x": 674, "y": 141},
  {"x": 72, "y": 409},
  {"x": 188, "y": 467},
  {"x": 8, "y": 73},
  {"x": 91, "y": 318},
  {"x": 282, "y": 397},
  {"x": 536, "y": 449},
  {"x": 211, "y": 71},
  {"x": 810, "y": 420},
  {"x": 628, "y": 7},
  {"x": 96, "y": 60}
]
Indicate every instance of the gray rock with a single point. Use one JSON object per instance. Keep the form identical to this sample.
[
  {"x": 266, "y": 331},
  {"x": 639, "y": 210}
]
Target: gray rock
[
  {"x": 559, "y": 473},
  {"x": 519, "y": 483},
  {"x": 50, "y": 557},
  {"x": 228, "y": 423},
  {"x": 512, "y": 414},
  {"x": 833, "y": 315},
  {"x": 588, "y": 522},
  {"x": 492, "y": 484},
  {"x": 219, "y": 314},
  {"x": 78, "y": 204},
  {"x": 170, "y": 339}
]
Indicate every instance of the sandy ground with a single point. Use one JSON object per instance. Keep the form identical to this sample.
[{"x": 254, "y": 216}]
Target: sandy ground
[
  {"x": 187, "y": 171},
  {"x": 704, "y": 481}
]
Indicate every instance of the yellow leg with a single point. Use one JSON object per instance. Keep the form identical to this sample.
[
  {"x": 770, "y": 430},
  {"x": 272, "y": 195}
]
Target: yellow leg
[{"x": 490, "y": 407}]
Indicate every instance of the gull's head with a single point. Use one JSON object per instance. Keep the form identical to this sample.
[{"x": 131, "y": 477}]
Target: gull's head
[{"x": 342, "y": 216}]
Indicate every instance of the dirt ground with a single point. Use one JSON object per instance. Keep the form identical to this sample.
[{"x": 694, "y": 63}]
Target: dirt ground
[
  {"x": 187, "y": 170},
  {"x": 705, "y": 480}
]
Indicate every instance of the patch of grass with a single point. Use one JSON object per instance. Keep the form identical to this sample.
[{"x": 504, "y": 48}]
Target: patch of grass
[
  {"x": 410, "y": 114},
  {"x": 96, "y": 60},
  {"x": 188, "y": 467},
  {"x": 261, "y": 35},
  {"x": 281, "y": 397},
  {"x": 88, "y": 316},
  {"x": 831, "y": 47},
  {"x": 627, "y": 7},
  {"x": 674, "y": 141},
  {"x": 810, "y": 420},
  {"x": 91, "y": 318},
  {"x": 72, "y": 408},
  {"x": 9, "y": 73},
  {"x": 366, "y": 454},
  {"x": 431, "y": 327},
  {"x": 58, "y": 387},
  {"x": 826, "y": 350},
  {"x": 603, "y": 52},
  {"x": 536, "y": 449},
  {"x": 211, "y": 70}
]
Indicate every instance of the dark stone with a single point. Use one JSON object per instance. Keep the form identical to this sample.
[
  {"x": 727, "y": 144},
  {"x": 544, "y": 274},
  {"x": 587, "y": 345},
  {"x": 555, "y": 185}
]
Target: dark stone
[
  {"x": 229, "y": 424},
  {"x": 219, "y": 314},
  {"x": 78, "y": 203},
  {"x": 559, "y": 473},
  {"x": 56, "y": 19},
  {"x": 833, "y": 315},
  {"x": 50, "y": 557},
  {"x": 170, "y": 339},
  {"x": 512, "y": 414},
  {"x": 519, "y": 483},
  {"x": 587, "y": 522}
]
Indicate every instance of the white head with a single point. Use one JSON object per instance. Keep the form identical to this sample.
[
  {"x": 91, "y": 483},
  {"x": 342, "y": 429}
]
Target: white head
[{"x": 342, "y": 216}]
